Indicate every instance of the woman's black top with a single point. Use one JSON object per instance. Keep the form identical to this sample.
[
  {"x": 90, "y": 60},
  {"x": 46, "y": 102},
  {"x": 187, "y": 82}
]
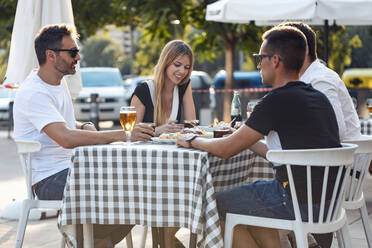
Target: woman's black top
[{"x": 142, "y": 91}]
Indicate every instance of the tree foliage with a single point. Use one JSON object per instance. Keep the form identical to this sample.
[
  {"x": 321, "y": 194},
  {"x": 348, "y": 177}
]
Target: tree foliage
[
  {"x": 361, "y": 56},
  {"x": 340, "y": 46},
  {"x": 102, "y": 51}
]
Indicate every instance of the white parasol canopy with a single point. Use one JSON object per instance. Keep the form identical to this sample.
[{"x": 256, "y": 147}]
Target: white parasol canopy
[
  {"x": 31, "y": 16},
  {"x": 245, "y": 11},
  {"x": 271, "y": 12}
]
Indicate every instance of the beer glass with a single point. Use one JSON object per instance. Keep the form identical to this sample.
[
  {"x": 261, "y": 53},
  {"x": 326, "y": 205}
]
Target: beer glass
[{"x": 128, "y": 116}]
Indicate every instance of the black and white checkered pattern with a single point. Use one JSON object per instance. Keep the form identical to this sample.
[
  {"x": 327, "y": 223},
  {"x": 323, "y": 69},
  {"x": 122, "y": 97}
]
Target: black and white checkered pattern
[
  {"x": 154, "y": 185},
  {"x": 366, "y": 126}
]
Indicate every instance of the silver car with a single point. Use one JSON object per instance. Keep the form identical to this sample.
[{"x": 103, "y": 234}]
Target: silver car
[
  {"x": 6, "y": 96},
  {"x": 107, "y": 83}
]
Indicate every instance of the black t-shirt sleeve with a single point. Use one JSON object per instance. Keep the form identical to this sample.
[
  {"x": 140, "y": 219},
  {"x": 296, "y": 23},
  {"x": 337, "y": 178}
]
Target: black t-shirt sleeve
[
  {"x": 143, "y": 93},
  {"x": 262, "y": 117}
]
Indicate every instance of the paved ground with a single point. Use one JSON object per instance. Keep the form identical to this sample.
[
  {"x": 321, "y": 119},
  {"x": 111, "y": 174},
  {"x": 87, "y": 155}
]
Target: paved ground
[{"x": 44, "y": 233}]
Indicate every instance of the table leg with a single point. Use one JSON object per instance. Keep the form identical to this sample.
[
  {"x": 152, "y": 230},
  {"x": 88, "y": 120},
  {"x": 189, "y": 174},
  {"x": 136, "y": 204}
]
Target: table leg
[
  {"x": 155, "y": 237},
  {"x": 79, "y": 235},
  {"x": 88, "y": 235},
  {"x": 193, "y": 237}
]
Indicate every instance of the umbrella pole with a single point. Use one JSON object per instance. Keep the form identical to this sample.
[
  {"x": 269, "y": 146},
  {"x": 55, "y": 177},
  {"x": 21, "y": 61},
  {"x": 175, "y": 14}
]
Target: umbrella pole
[{"x": 326, "y": 41}]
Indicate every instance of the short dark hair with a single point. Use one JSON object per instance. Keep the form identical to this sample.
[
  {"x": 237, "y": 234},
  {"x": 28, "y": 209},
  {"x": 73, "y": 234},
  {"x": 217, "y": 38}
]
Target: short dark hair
[
  {"x": 50, "y": 37},
  {"x": 289, "y": 43},
  {"x": 309, "y": 34}
]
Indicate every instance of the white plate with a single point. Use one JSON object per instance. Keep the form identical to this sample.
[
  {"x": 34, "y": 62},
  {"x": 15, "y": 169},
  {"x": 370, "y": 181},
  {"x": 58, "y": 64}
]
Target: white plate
[
  {"x": 206, "y": 128},
  {"x": 163, "y": 141}
]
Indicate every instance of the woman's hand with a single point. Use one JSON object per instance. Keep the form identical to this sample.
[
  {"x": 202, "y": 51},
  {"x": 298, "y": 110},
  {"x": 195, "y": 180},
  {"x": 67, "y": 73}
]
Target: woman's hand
[
  {"x": 142, "y": 132},
  {"x": 170, "y": 127}
]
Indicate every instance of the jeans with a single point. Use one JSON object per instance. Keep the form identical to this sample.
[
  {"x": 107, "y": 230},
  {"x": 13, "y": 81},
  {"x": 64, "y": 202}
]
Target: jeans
[
  {"x": 51, "y": 188},
  {"x": 261, "y": 198}
]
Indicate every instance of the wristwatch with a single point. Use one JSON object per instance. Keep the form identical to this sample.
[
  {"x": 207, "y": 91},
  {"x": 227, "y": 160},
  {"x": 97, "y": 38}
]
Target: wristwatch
[
  {"x": 191, "y": 137},
  {"x": 86, "y": 123}
]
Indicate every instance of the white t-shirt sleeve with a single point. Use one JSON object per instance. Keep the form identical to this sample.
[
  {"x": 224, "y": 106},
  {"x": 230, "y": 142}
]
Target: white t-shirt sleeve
[{"x": 41, "y": 110}]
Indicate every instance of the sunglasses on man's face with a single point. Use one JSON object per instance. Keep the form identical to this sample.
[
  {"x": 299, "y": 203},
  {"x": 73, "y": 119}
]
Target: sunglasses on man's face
[
  {"x": 259, "y": 57},
  {"x": 73, "y": 51}
]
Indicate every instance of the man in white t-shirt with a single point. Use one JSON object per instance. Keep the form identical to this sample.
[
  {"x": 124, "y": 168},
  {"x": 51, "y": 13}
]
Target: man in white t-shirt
[
  {"x": 329, "y": 82},
  {"x": 43, "y": 112}
]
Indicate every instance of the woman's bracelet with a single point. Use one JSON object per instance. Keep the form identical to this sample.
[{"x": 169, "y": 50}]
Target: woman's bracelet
[{"x": 86, "y": 123}]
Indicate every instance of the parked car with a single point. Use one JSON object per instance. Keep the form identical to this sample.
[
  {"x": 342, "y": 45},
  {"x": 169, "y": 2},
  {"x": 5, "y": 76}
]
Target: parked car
[
  {"x": 6, "y": 96},
  {"x": 130, "y": 85},
  {"x": 203, "y": 92},
  {"x": 107, "y": 83},
  {"x": 358, "y": 78},
  {"x": 242, "y": 80}
]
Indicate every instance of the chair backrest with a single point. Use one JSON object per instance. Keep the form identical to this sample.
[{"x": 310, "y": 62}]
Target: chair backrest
[
  {"x": 25, "y": 148},
  {"x": 339, "y": 158},
  {"x": 362, "y": 159}
]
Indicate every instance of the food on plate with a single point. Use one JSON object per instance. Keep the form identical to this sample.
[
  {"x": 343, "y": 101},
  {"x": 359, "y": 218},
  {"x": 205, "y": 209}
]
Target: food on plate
[
  {"x": 191, "y": 123},
  {"x": 169, "y": 135}
]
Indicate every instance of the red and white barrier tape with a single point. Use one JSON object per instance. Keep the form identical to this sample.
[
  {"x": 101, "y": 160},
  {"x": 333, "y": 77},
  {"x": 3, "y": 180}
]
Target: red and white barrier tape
[
  {"x": 8, "y": 86},
  {"x": 231, "y": 90}
]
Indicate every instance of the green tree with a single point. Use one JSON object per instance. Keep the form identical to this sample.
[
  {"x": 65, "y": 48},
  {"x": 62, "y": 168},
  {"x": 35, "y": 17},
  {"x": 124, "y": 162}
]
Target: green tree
[
  {"x": 361, "y": 56},
  {"x": 222, "y": 37},
  {"x": 339, "y": 47},
  {"x": 102, "y": 51},
  {"x": 7, "y": 10}
]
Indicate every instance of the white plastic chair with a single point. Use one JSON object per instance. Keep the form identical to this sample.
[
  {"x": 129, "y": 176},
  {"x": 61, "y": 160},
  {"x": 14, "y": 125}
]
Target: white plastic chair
[
  {"x": 335, "y": 220},
  {"x": 25, "y": 148},
  {"x": 354, "y": 198}
]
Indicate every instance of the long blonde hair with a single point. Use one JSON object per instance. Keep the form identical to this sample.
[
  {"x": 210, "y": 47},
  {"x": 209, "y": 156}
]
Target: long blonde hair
[{"x": 170, "y": 52}]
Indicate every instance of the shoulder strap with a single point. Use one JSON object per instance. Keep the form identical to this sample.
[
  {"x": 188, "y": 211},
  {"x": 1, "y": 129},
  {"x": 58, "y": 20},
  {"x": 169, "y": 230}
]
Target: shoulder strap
[{"x": 150, "y": 84}]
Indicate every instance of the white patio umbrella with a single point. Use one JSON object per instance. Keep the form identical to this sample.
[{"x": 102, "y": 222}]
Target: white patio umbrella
[
  {"x": 314, "y": 12},
  {"x": 31, "y": 15}
]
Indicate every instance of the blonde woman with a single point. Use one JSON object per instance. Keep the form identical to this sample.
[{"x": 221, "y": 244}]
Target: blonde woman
[{"x": 162, "y": 99}]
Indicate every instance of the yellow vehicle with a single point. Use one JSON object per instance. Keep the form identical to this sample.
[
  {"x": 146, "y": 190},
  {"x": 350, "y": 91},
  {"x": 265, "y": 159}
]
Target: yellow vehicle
[{"x": 358, "y": 78}]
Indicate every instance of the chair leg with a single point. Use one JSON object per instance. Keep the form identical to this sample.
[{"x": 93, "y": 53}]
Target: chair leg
[
  {"x": 346, "y": 236},
  {"x": 367, "y": 228},
  {"x": 340, "y": 239},
  {"x": 25, "y": 211},
  {"x": 62, "y": 245},
  {"x": 129, "y": 240},
  {"x": 229, "y": 233},
  {"x": 301, "y": 239},
  {"x": 143, "y": 237}
]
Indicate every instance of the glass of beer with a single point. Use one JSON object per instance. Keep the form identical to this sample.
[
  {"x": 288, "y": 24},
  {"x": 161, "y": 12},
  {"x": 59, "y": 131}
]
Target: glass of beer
[{"x": 128, "y": 116}]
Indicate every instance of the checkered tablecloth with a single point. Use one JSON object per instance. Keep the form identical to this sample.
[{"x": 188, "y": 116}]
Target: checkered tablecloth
[
  {"x": 153, "y": 185},
  {"x": 366, "y": 126}
]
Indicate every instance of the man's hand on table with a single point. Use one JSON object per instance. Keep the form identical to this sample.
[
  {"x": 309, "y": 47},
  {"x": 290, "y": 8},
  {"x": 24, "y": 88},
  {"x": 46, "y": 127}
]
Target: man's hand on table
[
  {"x": 184, "y": 140},
  {"x": 142, "y": 132}
]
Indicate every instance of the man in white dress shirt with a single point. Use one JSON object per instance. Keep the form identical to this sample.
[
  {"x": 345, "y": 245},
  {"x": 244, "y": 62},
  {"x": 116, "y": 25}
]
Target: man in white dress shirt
[{"x": 327, "y": 81}]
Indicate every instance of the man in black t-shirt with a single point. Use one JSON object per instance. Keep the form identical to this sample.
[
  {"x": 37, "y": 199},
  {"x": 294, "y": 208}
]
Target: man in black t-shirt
[{"x": 292, "y": 116}]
